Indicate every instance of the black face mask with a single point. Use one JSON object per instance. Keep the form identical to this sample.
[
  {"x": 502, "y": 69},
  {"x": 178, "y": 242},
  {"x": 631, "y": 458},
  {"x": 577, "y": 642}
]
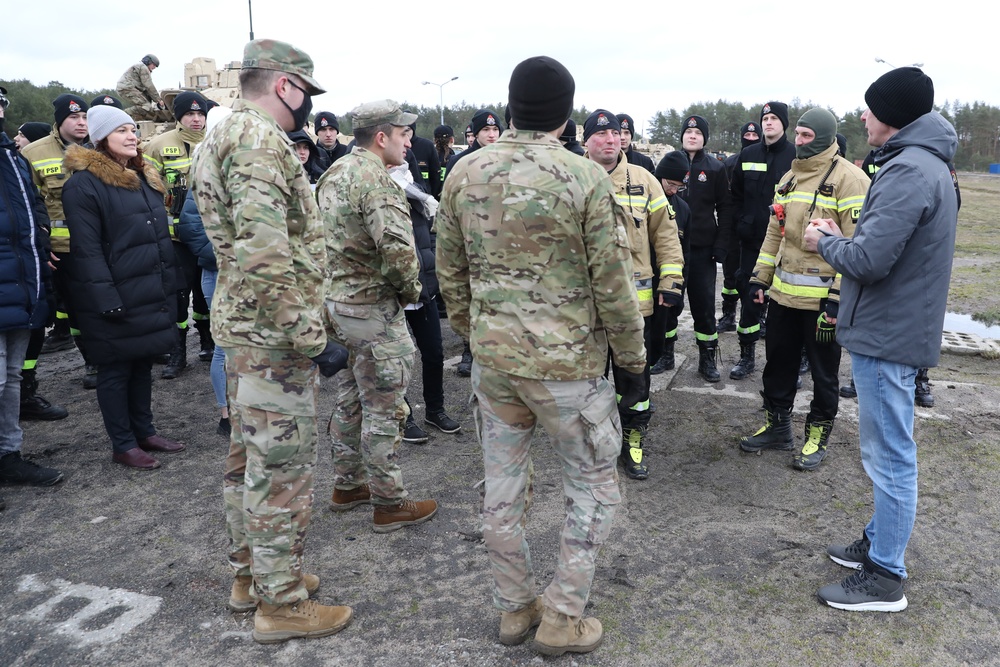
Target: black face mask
[{"x": 300, "y": 115}]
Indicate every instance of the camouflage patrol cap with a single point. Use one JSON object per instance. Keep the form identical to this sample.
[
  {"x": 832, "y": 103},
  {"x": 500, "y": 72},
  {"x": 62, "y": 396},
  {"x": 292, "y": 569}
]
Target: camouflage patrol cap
[
  {"x": 282, "y": 57},
  {"x": 380, "y": 112}
]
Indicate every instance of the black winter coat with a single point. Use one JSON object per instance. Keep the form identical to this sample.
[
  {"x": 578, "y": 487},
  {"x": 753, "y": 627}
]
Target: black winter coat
[
  {"x": 711, "y": 207},
  {"x": 122, "y": 258},
  {"x": 753, "y": 187}
]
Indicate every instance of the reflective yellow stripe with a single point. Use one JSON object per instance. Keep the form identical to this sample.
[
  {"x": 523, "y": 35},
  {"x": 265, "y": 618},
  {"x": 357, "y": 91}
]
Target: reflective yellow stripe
[
  {"x": 39, "y": 164},
  {"x": 153, "y": 161},
  {"x": 180, "y": 164},
  {"x": 635, "y": 201},
  {"x": 799, "y": 290},
  {"x": 850, "y": 202},
  {"x": 644, "y": 289},
  {"x": 671, "y": 334},
  {"x": 670, "y": 270},
  {"x": 644, "y": 294},
  {"x": 748, "y": 330},
  {"x": 60, "y": 315},
  {"x": 706, "y": 337},
  {"x": 801, "y": 279},
  {"x": 59, "y": 232},
  {"x": 730, "y": 292},
  {"x": 657, "y": 204},
  {"x": 764, "y": 258},
  {"x": 29, "y": 364},
  {"x": 754, "y": 166}
]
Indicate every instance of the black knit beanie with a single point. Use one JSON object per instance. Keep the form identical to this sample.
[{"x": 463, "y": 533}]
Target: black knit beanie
[
  {"x": 326, "y": 119},
  {"x": 841, "y": 145},
  {"x": 106, "y": 100},
  {"x": 443, "y": 131},
  {"x": 899, "y": 97},
  {"x": 600, "y": 120},
  {"x": 779, "y": 109},
  {"x": 569, "y": 134},
  {"x": 485, "y": 117},
  {"x": 698, "y": 122},
  {"x": 34, "y": 131},
  {"x": 66, "y": 104},
  {"x": 540, "y": 94},
  {"x": 626, "y": 122},
  {"x": 189, "y": 101},
  {"x": 673, "y": 167},
  {"x": 750, "y": 127}
]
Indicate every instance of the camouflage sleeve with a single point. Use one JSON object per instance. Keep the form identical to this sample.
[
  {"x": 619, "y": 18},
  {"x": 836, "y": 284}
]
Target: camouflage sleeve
[
  {"x": 610, "y": 262},
  {"x": 260, "y": 194},
  {"x": 663, "y": 233},
  {"x": 146, "y": 84},
  {"x": 388, "y": 218},
  {"x": 452, "y": 264}
]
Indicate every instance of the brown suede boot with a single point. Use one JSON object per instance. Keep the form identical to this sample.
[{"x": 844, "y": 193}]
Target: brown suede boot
[
  {"x": 345, "y": 500},
  {"x": 559, "y": 633},
  {"x": 240, "y": 599},
  {"x": 277, "y": 623},
  {"x": 515, "y": 625},
  {"x": 407, "y": 513}
]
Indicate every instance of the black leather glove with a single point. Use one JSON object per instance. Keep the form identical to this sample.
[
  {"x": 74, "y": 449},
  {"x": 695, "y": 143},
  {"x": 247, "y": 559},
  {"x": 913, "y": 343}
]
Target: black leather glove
[
  {"x": 672, "y": 299},
  {"x": 114, "y": 315},
  {"x": 332, "y": 359},
  {"x": 633, "y": 387}
]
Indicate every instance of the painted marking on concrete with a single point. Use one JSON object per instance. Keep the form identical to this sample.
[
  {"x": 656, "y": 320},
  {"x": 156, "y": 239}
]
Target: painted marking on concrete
[{"x": 133, "y": 609}]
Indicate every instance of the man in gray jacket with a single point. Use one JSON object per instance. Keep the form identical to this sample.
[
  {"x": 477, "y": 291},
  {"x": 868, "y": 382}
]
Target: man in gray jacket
[{"x": 896, "y": 270}]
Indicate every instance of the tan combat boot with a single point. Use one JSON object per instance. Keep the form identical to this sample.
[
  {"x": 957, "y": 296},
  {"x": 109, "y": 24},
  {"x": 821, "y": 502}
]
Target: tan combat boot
[
  {"x": 277, "y": 623},
  {"x": 407, "y": 513},
  {"x": 559, "y": 633},
  {"x": 345, "y": 500},
  {"x": 240, "y": 599},
  {"x": 515, "y": 625}
]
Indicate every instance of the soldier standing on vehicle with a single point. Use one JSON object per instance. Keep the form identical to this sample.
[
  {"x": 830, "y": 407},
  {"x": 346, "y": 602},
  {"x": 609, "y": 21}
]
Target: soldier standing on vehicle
[
  {"x": 260, "y": 214},
  {"x": 136, "y": 86},
  {"x": 373, "y": 275},
  {"x": 533, "y": 261},
  {"x": 170, "y": 154}
]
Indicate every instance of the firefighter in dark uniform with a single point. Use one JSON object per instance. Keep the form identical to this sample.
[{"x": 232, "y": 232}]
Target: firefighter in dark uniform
[{"x": 631, "y": 154}]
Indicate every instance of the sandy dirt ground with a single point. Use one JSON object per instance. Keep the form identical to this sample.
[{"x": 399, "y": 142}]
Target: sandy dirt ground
[{"x": 715, "y": 560}]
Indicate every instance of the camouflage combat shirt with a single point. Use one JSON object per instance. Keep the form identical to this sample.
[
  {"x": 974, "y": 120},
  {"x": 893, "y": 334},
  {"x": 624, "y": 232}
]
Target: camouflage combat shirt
[
  {"x": 369, "y": 235},
  {"x": 260, "y": 215},
  {"x": 136, "y": 85},
  {"x": 534, "y": 261}
]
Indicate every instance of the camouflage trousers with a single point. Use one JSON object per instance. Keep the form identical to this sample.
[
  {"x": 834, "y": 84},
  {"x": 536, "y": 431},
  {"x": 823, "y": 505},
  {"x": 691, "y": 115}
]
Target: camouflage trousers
[
  {"x": 582, "y": 421},
  {"x": 369, "y": 405},
  {"x": 268, "y": 481}
]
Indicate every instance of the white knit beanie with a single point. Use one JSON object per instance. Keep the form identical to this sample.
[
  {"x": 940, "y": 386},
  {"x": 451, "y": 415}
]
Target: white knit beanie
[{"x": 102, "y": 120}]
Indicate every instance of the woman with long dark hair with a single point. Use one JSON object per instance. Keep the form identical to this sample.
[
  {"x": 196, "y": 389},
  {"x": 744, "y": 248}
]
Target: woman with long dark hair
[{"x": 124, "y": 278}]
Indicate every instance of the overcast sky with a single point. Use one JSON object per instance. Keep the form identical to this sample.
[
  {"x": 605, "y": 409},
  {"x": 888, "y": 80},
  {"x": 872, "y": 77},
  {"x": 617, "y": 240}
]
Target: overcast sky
[{"x": 634, "y": 57}]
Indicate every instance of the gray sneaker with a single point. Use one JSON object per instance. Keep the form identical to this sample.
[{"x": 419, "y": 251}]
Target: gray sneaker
[
  {"x": 869, "y": 589},
  {"x": 850, "y": 555}
]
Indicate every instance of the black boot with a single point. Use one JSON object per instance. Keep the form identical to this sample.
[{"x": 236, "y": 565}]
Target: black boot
[
  {"x": 804, "y": 363},
  {"x": 706, "y": 362},
  {"x": 35, "y": 407},
  {"x": 57, "y": 341},
  {"x": 632, "y": 456},
  {"x": 666, "y": 360},
  {"x": 728, "y": 320},
  {"x": 776, "y": 433},
  {"x": 464, "y": 367},
  {"x": 849, "y": 390},
  {"x": 922, "y": 394},
  {"x": 207, "y": 350},
  {"x": 178, "y": 357},
  {"x": 814, "y": 450},
  {"x": 745, "y": 366}
]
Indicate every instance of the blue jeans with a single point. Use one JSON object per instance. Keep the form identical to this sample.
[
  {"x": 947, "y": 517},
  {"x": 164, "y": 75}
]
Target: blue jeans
[
  {"x": 888, "y": 453},
  {"x": 217, "y": 371},
  {"x": 13, "y": 345}
]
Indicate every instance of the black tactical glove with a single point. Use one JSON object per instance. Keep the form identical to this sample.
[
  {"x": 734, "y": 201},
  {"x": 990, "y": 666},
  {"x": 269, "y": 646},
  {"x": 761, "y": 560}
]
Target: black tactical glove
[
  {"x": 826, "y": 331},
  {"x": 633, "y": 387},
  {"x": 332, "y": 359},
  {"x": 671, "y": 299},
  {"x": 753, "y": 288}
]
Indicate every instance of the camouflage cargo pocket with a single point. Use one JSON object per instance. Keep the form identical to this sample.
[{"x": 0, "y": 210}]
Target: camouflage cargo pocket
[
  {"x": 602, "y": 428},
  {"x": 607, "y": 497},
  {"x": 393, "y": 360}
]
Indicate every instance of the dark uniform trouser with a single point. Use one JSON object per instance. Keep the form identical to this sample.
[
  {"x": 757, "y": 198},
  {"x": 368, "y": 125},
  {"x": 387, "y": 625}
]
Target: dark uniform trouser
[
  {"x": 749, "y": 326},
  {"x": 730, "y": 268},
  {"x": 701, "y": 272},
  {"x": 125, "y": 396},
  {"x": 425, "y": 323},
  {"x": 268, "y": 481},
  {"x": 191, "y": 294},
  {"x": 663, "y": 326},
  {"x": 634, "y": 416},
  {"x": 788, "y": 329}
]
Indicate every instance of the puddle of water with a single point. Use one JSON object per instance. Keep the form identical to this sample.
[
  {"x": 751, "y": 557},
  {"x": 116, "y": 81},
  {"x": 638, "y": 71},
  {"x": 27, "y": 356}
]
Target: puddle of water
[{"x": 962, "y": 323}]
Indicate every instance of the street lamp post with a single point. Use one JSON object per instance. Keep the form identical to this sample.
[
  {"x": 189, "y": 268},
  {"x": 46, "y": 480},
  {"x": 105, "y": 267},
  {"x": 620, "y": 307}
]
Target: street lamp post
[{"x": 441, "y": 91}]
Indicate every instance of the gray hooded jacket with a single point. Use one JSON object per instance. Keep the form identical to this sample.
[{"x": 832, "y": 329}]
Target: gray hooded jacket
[{"x": 897, "y": 267}]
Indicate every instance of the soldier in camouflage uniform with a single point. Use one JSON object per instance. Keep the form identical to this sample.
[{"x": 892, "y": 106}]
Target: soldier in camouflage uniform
[
  {"x": 373, "y": 274},
  {"x": 533, "y": 260},
  {"x": 260, "y": 215},
  {"x": 136, "y": 86}
]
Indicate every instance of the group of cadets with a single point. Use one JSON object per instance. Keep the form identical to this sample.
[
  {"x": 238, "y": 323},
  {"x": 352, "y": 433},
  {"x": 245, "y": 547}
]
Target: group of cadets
[{"x": 690, "y": 212}]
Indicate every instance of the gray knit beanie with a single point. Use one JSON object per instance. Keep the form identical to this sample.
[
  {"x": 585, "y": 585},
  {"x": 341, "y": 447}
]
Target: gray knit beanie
[{"x": 103, "y": 120}]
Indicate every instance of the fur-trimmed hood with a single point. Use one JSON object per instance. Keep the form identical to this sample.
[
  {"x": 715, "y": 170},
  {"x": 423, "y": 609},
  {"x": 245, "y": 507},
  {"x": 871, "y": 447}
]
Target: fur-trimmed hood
[{"x": 110, "y": 172}]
